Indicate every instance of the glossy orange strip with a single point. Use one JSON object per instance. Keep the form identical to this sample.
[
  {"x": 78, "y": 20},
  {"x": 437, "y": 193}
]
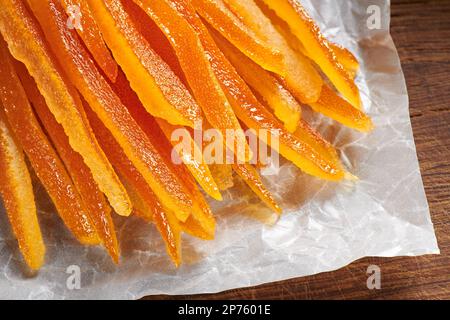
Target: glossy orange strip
[
  {"x": 90, "y": 33},
  {"x": 160, "y": 90},
  {"x": 316, "y": 46},
  {"x": 196, "y": 165},
  {"x": 343, "y": 55},
  {"x": 108, "y": 106},
  {"x": 61, "y": 98},
  {"x": 16, "y": 190},
  {"x": 193, "y": 228},
  {"x": 346, "y": 58},
  {"x": 251, "y": 177},
  {"x": 94, "y": 201},
  {"x": 46, "y": 163},
  {"x": 200, "y": 209},
  {"x": 278, "y": 98},
  {"x": 216, "y": 13},
  {"x": 301, "y": 76},
  {"x": 138, "y": 185},
  {"x": 199, "y": 75},
  {"x": 309, "y": 136},
  {"x": 253, "y": 114},
  {"x": 333, "y": 106}
]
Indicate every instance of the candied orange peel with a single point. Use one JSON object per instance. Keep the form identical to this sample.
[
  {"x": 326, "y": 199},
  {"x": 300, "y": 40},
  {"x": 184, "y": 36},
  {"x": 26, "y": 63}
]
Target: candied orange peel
[
  {"x": 109, "y": 108},
  {"x": 93, "y": 199},
  {"x": 200, "y": 75},
  {"x": 271, "y": 89},
  {"x": 217, "y": 14},
  {"x": 333, "y": 106},
  {"x": 122, "y": 107},
  {"x": 61, "y": 97},
  {"x": 46, "y": 163},
  {"x": 162, "y": 93},
  {"x": 16, "y": 191},
  {"x": 91, "y": 36},
  {"x": 301, "y": 77},
  {"x": 316, "y": 46}
]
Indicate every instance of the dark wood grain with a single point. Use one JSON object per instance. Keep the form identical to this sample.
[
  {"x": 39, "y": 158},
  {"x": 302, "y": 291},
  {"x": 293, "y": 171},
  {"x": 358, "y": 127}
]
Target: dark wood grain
[{"x": 421, "y": 31}]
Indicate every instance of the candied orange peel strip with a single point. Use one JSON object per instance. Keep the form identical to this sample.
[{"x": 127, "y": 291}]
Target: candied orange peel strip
[
  {"x": 309, "y": 136},
  {"x": 162, "y": 93},
  {"x": 250, "y": 175},
  {"x": 218, "y": 15},
  {"x": 343, "y": 55},
  {"x": 200, "y": 76},
  {"x": 91, "y": 36},
  {"x": 255, "y": 116},
  {"x": 138, "y": 187},
  {"x": 16, "y": 190},
  {"x": 61, "y": 98},
  {"x": 95, "y": 203},
  {"x": 46, "y": 163},
  {"x": 316, "y": 46},
  {"x": 291, "y": 147},
  {"x": 278, "y": 98},
  {"x": 195, "y": 164},
  {"x": 301, "y": 77},
  {"x": 194, "y": 161},
  {"x": 346, "y": 58},
  {"x": 108, "y": 106},
  {"x": 200, "y": 208},
  {"x": 333, "y": 106}
]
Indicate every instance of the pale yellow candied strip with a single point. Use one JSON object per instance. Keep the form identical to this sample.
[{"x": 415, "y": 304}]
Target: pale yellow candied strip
[
  {"x": 62, "y": 100},
  {"x": 17, "y": 192},
  {"x": 194, "y": 160}
]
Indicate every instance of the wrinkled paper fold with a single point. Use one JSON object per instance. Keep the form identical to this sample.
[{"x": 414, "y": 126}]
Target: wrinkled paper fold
[{"x": 325, "y": 225}]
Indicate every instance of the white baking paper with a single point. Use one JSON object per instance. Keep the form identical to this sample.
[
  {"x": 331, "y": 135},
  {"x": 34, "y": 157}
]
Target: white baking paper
[{"x": 325, "y": 227}]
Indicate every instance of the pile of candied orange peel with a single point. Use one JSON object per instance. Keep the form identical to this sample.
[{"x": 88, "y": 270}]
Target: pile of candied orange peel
[{"x": 90, "y": 106}]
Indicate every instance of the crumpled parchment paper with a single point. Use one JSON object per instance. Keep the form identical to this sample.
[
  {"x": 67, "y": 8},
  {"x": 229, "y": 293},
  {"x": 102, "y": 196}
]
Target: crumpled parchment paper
[{"x": 325, "y": 226}]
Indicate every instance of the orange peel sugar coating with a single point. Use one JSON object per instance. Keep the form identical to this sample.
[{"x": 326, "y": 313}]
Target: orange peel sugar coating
[
  {"x": 199, "y": 75},
  {"x": 93, "y": 199},
  {"x": 46, "y": 163},
  {"x": 301, "y": 77},
  {"x": 162, "y": 93},
  {"x": 137, "y": 185},
  {"x": 61, "y": 98},
  {"x": 278, "y": 98},
  {"x": 316, "y": 46},
  {"x": 91, "y": 36},
  {"x": 16, "y": 191},
  {"x": 109, "y": 108}
]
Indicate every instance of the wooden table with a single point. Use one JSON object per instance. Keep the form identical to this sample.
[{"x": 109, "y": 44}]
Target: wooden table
[{"x": 421, "y": 31}]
